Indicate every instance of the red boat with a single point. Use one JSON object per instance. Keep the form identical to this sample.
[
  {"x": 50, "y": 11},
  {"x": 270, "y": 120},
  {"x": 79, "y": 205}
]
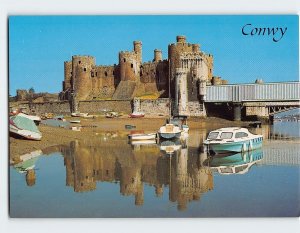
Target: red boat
[{"x": 137, "y": 114}]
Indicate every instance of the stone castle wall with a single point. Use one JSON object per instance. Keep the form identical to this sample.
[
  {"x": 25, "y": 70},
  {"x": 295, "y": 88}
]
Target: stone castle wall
[
  {"x": 97, "y": 106},
  {"x": 159, "y": 107}
]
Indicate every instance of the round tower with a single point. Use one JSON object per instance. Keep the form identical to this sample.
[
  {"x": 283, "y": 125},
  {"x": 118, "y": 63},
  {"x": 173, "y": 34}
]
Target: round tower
[
  {"x": 81, "y": 75},
  {"x": 137, "y": 47},
  {"x": 129, "y": 66},
  {"x": 157, "y": 55}
]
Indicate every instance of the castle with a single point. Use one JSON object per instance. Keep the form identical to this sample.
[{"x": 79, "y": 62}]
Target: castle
[{"x": 188, "y": 68}]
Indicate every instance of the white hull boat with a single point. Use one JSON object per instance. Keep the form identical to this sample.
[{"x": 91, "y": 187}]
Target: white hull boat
[
  {"x": 79, "y": 114},
  {"x": 232, "y": 140},
  {"x": 144, "y": 136},
  {"x": 24, "y": 127},
  {"x": 169, "y": 131}
]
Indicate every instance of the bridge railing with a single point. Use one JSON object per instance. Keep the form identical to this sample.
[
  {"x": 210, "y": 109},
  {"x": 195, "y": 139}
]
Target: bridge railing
[{"x": 288, "y": 91}]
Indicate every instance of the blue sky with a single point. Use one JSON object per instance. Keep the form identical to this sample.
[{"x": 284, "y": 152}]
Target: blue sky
[{"x": 38, "y": 45}]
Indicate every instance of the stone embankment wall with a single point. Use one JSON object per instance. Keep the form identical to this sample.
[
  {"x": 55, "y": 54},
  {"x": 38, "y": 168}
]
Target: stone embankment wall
[
  {"x": 158, "y": 107},
  {"x": 62, "y": 107},
  {"x": 96, "y": 106}
]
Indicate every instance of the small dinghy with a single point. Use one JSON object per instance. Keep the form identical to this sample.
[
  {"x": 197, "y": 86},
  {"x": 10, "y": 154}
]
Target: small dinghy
[
  {"x": 142, "y": 136},
  {"x": 75, "y": 121},
  {"x": 79, "y": 114},
  {"x": 137, "y": 115},
  {"x": 24, "y": 127}
]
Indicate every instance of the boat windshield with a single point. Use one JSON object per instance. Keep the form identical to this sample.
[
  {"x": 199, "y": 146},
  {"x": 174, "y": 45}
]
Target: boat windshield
[
  {"x": 213, "y": 135},
  {"x": 226, "y": 135}
]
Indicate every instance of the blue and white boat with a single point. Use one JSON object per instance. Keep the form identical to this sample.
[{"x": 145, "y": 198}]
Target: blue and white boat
[
  {"x": 169, "y": 131},
  {"x": 232, "y": 140}
]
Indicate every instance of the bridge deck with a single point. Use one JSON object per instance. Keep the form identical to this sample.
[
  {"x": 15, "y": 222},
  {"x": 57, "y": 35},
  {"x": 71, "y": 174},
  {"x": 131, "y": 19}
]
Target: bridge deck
[{"x": 283, "y": 91}]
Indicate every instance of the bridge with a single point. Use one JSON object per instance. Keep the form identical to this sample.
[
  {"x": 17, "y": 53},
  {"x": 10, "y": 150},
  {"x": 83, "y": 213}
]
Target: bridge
[{"x": 260, "y": 100}]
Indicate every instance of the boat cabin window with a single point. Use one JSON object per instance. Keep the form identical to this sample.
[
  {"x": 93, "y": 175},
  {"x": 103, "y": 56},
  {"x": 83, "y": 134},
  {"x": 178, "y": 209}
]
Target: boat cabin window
[
  {"x": 226, "y": 135},
  {"x": 213, "y": 135},
  {"x": 241, "y": 135}
]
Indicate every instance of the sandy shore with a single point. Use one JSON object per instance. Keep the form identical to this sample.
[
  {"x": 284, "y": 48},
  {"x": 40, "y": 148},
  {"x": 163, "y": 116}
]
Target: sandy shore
[{"x": 53, "y": 136}]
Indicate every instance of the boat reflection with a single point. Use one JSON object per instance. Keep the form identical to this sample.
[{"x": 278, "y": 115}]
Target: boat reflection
[
  {"x": 26, "y": 164},
  {"x": 133, "y": 166},
  {"x": 239, "y": 163}
]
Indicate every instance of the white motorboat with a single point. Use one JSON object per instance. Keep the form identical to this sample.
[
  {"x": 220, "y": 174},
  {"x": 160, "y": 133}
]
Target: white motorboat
[{"x": 232, "y": 139}]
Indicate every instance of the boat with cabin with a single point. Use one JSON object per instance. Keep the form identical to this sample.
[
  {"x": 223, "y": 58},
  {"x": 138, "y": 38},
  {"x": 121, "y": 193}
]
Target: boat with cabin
[{"x": 232, "y": 140}]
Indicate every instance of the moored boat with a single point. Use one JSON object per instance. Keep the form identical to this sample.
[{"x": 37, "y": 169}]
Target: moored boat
[
  {"x": 169, "y": 131},
  {"x": 232, "y": 139},
  {"x": 111, "y": 115},
  {"x": 24, "y": 127},
  {"x": 137, "y": 115},
  {"x": 75, "y": 121},
  {"x": 79, "y": 114},
  {"x": 142, "y": 136}
]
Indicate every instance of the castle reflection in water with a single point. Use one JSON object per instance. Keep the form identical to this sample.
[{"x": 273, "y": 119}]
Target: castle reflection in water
[
  {"x": 133, "y": 166},
  {"x": 186, "y": 174}
]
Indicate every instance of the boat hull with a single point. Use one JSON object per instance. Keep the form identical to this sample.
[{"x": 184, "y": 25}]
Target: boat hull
[
  {"x": 25, "y": 133},
  {"x": 234, "y": 147},
  {"x": 136, "y": 116},
  {"x": 142, "y": 136}
]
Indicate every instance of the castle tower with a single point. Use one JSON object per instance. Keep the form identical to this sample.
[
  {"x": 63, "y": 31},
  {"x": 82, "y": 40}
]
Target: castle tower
[
  {"x": 68, "y": 75},
  {"x": 196, "y": 48},
  {"x": 180, "y": 39},
  {"x": 137, "y": 47},
  {"x": 157, "y": 55},
  {"x": 181, "y": 92},
  {"x": 81, "y": 75}
]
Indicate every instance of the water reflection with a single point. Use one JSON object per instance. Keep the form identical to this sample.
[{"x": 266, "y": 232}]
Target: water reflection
[
  {"x": 239, "y": 163},
  {"x": 132, "y": 166},
  {"x": 26, "y": 164}
]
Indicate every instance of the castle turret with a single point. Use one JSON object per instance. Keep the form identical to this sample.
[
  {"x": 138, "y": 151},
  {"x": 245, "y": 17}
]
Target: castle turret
[
  {"x": 196, "y": 48},
  {"x": 137, "y": 45},
  {"x": 181, "y": 39},
  {"x": 157, "y": 55}
]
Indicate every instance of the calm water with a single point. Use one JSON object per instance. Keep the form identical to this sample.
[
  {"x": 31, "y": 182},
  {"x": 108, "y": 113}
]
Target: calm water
[{"x": 107, "y": 177}]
